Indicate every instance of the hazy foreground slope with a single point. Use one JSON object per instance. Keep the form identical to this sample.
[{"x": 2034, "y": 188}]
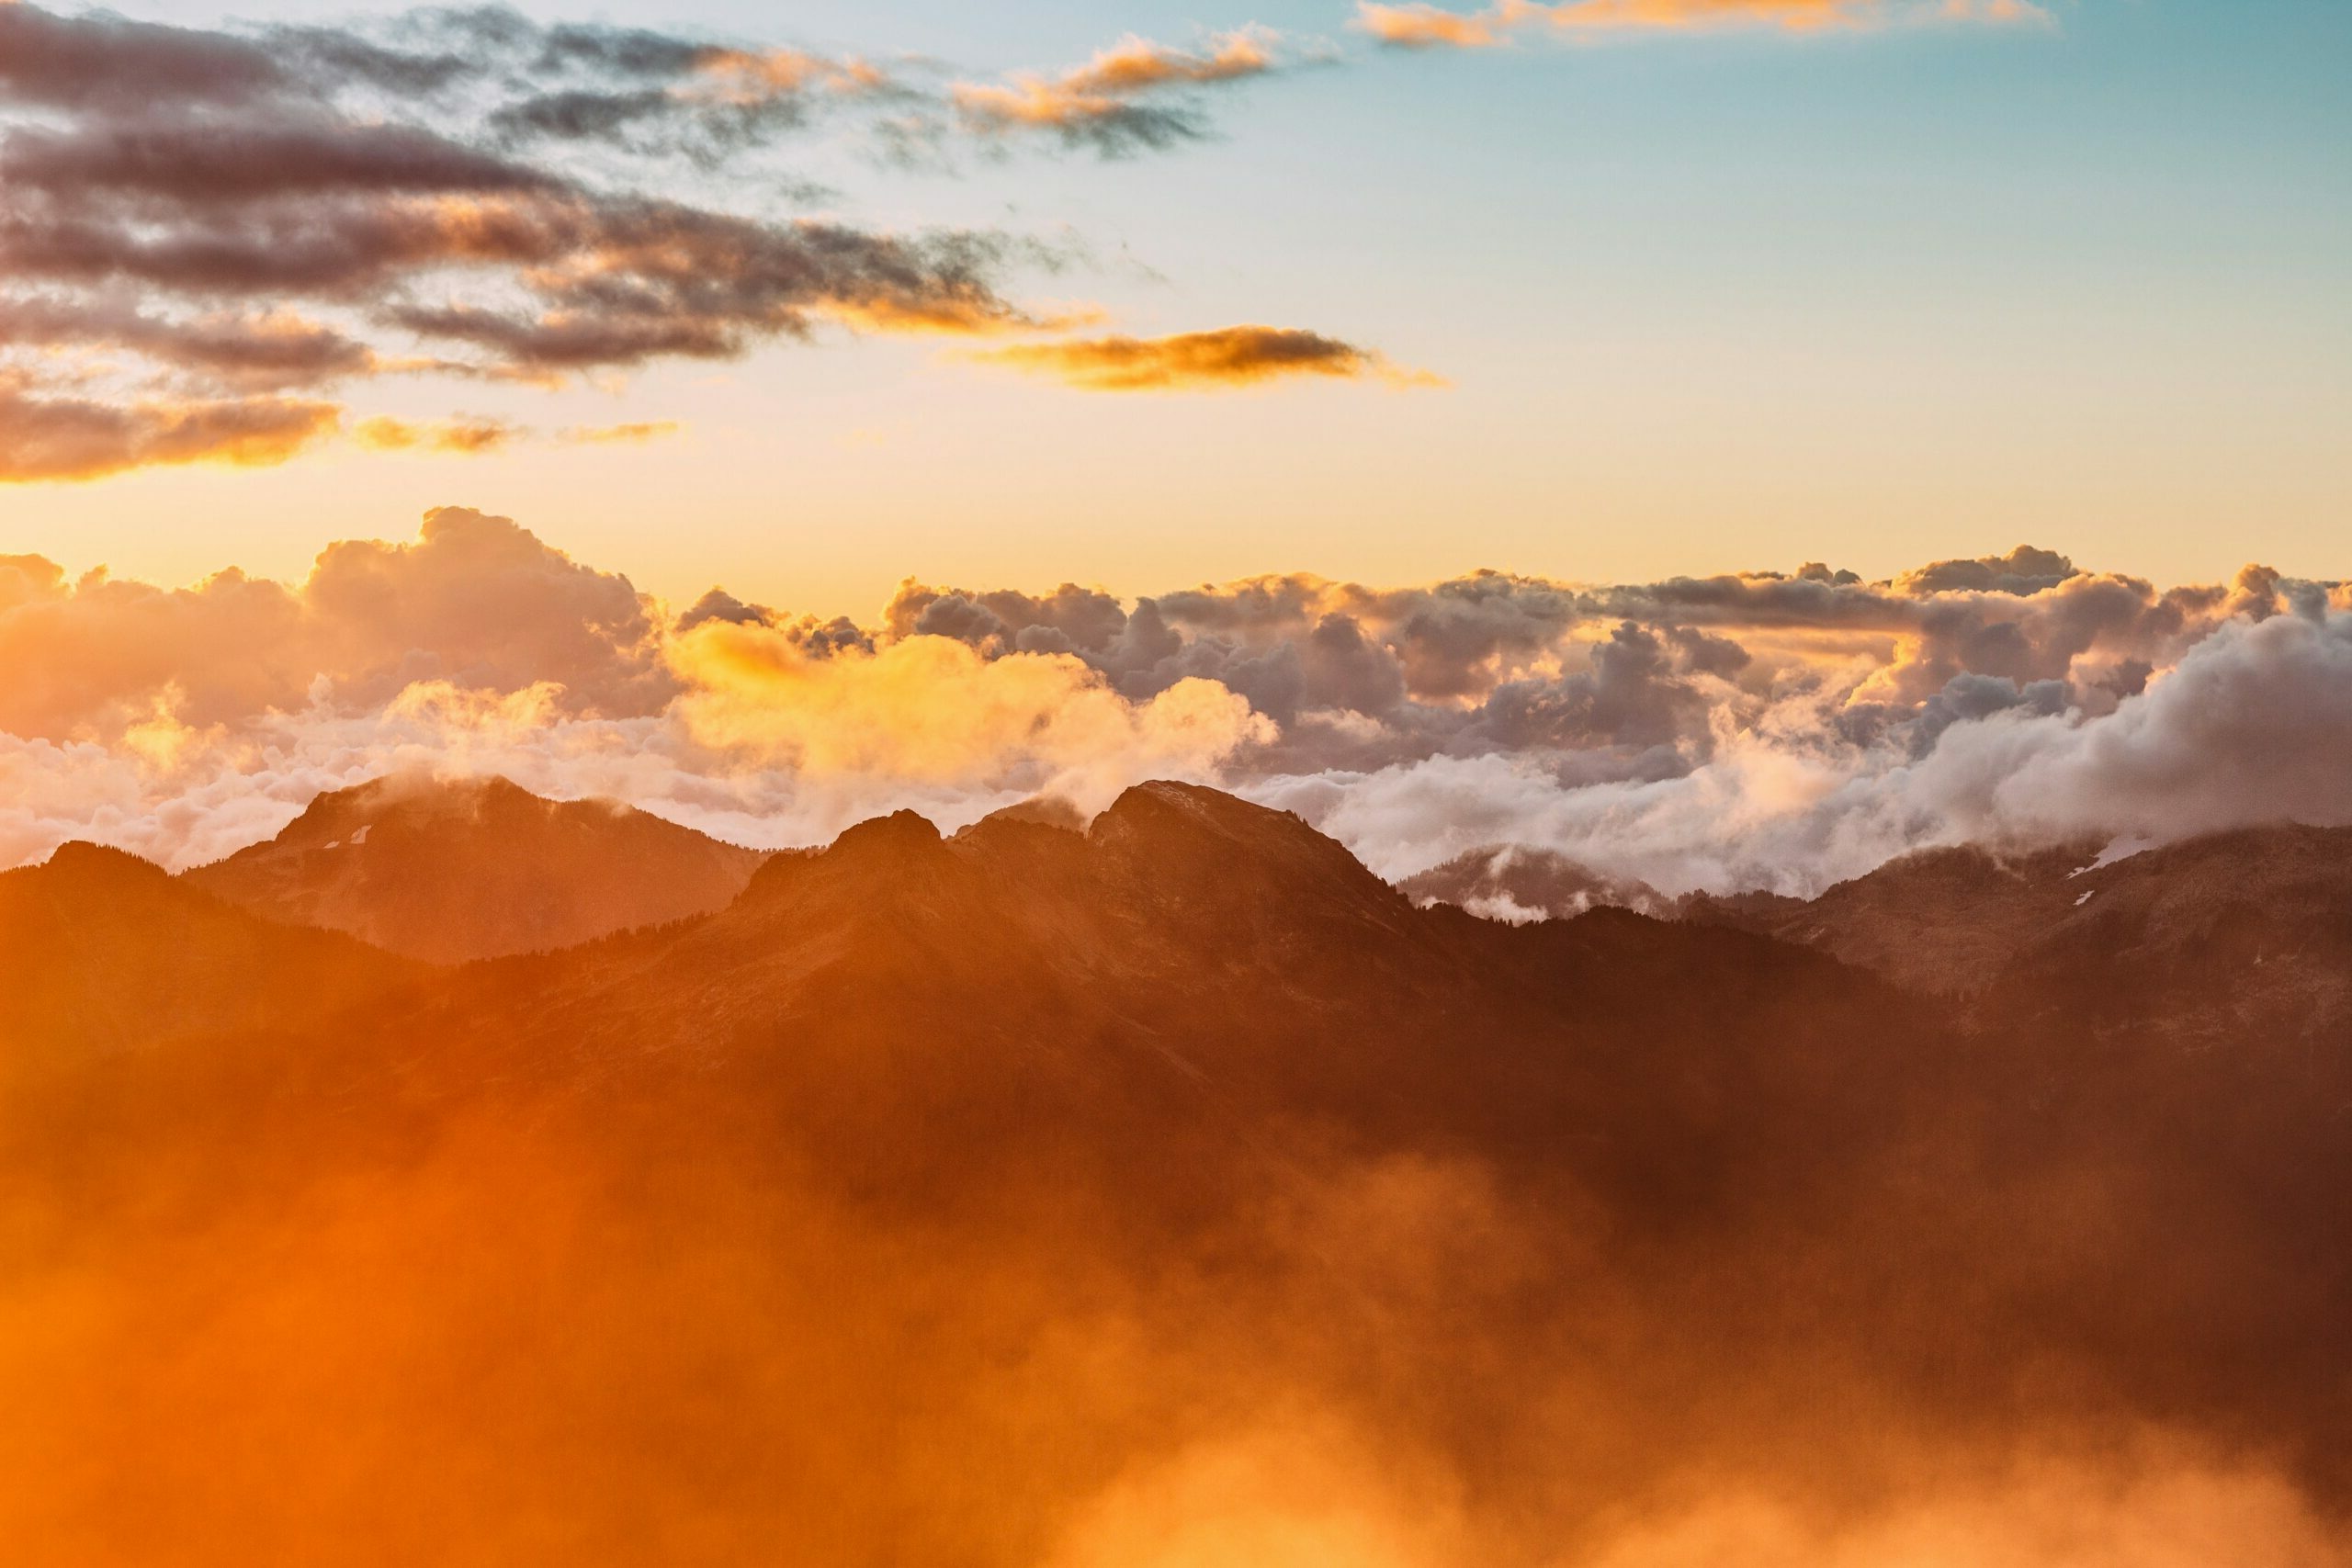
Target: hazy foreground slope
[
  {"x": 101, "y": 952},
  {"x": 1176, "y": 1192},
  {"x": 451, "y": 870}
]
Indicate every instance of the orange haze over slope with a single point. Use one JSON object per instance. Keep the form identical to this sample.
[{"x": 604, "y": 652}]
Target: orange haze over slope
[{"x": 1170, "y": 1191}]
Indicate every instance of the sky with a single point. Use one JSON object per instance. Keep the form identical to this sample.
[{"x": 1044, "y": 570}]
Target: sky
[
  {"x": 1597, "y": 303},
  {"x": 1726, "y": 444}
]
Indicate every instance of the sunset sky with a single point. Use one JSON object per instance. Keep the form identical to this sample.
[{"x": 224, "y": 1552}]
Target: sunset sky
[
  {"x": 1604, "y": 292},
  {"x": 1109, "y": 784}
]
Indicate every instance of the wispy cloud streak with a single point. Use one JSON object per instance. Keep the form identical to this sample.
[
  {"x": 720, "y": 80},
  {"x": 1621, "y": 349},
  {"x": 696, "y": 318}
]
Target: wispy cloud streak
[
  {"x": 1420, "y": 25},
  {"x": 1130, "y": 96},
  {"x": 1224, "y": 358}
]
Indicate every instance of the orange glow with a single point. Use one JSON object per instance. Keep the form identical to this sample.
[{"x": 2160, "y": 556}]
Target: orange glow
[
  {"x": 1112, "y": 78},
  {"x": 1226, "y": 358},
  {"x": 68, "y": 439},
  {"x": 745, "y": 77},
  {"x": 933, "y": 709},
  {"x": 631, "y": 435},
  {"x": 463, "y": 437}
]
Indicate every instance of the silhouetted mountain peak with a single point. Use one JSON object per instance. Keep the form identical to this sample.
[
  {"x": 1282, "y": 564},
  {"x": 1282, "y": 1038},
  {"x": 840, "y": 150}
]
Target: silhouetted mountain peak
[
  {"x": 1187, "y": 846},
  {"x": 901, "y": 832},
  {"x": 1171, "y": 822},
  {"x": 418, "y": 799},
  {"x": 1166, "y": 804},
  {"x": 82, "y": 862},
  {"x": 871, "y": 865},
  {"x": 456, "y": 869}
]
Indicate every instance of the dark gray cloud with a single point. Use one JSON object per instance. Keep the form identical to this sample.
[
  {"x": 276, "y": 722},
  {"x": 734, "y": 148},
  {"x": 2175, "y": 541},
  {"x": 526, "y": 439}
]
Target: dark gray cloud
[
  {"x": 53, "y": 437},
  {"x": 102, "y": 62},
  {"x": 470, "y": 192},
  {"x": 2024, "y": 571},
  {"x": 247, "y": 351},
  {"x": 225, "y": 214},
  {"x": 1638, "y": 679}
]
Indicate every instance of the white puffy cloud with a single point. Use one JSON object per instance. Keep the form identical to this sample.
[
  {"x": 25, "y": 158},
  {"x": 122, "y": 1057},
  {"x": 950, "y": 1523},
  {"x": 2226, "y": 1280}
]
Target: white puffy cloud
[
  {"x": 1759, "y": 730},
  {"x": 2251, "y": 726}
]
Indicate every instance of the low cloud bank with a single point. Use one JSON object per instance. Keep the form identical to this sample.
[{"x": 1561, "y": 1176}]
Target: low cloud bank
[
  {"x": 2249, "y": 728},
  {"x": 1780, "y": 729}
]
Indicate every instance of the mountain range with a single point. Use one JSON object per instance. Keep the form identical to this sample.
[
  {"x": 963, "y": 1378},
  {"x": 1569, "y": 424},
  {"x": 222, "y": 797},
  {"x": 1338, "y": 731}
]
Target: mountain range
[
  {"x": 2189, "y": 936},
  {"x": 451, "y": 870},
  {"x": 1031, "y": 1194}
]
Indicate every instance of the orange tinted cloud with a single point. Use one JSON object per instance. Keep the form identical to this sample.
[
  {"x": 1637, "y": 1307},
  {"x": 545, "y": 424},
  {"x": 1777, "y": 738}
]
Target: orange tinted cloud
[
  {"x": 467, "y": 436},
  {"x": 195, "y": 225},
  {"x": 746, "y": 76},
  {"x": 938, "y": 711},
  {"x": 1098, "y": 100},
  {"x": 74, "y": 438},
  {"x": 1422, "y": 26},
  {"x": 619, "y": 434},
  {"x": 1428, "y": 27},
  {"x": 463, "y": 435},
  {"x": 1229, "y": 356},
  {"x": 946, "y": 316},
  {"x": 1758, "y": 731}
]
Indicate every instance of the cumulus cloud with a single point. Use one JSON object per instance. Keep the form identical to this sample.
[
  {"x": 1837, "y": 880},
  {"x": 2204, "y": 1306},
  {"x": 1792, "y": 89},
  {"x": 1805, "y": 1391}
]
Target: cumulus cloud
[
  {"x": 1227, "y": 358},
  {"x": 1773, "y": 730},
  {"x": 1758, "y": 731},
  {"x": 182, "y": 795},
  {"x": 476, "y": 600},
  {"x": 931, "y": 710},
  {"x": 2245, "y": 729},
  {"x": 183, "y": 724}
]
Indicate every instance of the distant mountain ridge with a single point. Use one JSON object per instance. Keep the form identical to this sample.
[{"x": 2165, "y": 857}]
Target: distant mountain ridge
[
  {"x": 2195, "y": 919},
  {"x": 449, "y": 870},
  {"x": 908, "y": 1203}
]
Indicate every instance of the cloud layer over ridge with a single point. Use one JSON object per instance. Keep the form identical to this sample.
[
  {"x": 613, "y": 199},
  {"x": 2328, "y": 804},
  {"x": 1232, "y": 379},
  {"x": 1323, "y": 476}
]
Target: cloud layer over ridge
[{"x": 1775, "y": 729}]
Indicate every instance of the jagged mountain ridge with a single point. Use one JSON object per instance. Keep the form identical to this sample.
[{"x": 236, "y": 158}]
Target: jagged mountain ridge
[
  {"x": 1178, "y": 910},
  {"x": 2199, "y": 919},
  {"x": 449, "y": 870},
  {"x": 935, "y": 1185}
]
